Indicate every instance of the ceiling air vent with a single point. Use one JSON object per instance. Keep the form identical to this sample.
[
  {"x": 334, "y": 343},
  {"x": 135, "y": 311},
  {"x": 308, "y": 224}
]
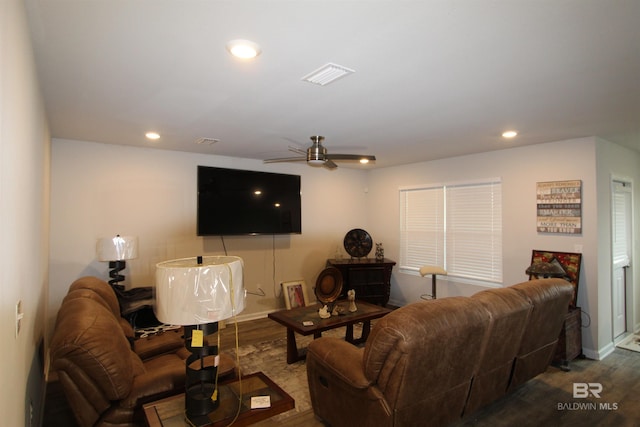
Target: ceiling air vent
[
  {"x": 209, "y": 141},
  {"x": 327, "y": 73}
]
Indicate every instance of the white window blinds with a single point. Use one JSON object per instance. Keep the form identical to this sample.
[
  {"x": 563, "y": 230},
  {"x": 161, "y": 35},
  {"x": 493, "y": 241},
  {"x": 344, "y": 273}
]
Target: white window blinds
[
  {"x": 458, "y": 227},
  {"x": 422, "y": 227}
]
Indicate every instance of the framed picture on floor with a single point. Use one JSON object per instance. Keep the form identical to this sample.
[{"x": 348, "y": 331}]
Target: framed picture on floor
[
  {"x": 570, "y": 263},
  {"x": 295, "y": 294}
]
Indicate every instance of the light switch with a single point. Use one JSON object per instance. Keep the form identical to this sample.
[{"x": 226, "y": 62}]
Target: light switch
[{"x": 19, "y": 316}]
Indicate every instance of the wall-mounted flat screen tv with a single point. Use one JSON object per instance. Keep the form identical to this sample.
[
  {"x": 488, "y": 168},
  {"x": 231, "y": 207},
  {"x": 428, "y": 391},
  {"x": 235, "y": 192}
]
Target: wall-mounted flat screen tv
[{"x": 240, "y": 202}]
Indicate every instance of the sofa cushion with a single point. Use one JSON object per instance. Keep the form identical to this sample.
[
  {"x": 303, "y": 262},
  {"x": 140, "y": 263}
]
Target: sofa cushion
[
  {"x": 509, "y": 313},
  {"x": 550, "y": 301},
  {"x": 89, "y": 337},
  {"x": 101, "y": 288},
  {"x": 436, "y": 341}
]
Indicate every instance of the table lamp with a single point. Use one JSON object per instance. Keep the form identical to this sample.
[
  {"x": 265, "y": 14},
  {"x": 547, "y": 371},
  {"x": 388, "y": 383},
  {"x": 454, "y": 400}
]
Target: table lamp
[
  {"x": 116, "y": 250},
  {"x": 197, "y": 293},
  {"x": 545, "y": 270}
]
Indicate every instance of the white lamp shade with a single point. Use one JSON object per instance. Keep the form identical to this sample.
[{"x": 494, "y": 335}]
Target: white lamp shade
[
  {"x": 117, "y": 248},
  {"x": 188, "y": 293}
]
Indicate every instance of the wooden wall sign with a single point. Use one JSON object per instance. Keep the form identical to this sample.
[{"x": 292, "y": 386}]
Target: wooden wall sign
[{"x": 559, "y": 207}]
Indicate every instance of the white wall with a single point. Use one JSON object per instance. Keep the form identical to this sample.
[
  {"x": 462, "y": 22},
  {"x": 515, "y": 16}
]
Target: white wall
[
  {"x": 24, "y": 197},
  {"x": 102, "y": 190},
  {"x": 520, "y": 170}
]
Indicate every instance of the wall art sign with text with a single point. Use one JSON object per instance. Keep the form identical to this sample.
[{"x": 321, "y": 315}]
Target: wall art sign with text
[{"x": 559, "y": 207}]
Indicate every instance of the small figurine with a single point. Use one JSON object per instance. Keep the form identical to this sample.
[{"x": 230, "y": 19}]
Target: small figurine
[
  {"x": 351, "y": 296},
  {"x": 337, "y": 310},
  {"x": 379, "y": 252},
  {"x": 324, "y": 312}
]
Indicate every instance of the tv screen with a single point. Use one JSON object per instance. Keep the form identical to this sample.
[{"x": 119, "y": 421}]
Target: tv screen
[{"x": 237, "y": 202}]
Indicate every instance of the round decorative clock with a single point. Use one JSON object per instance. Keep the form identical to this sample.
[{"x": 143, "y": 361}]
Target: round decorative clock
[{"x": 358, "y": 243}]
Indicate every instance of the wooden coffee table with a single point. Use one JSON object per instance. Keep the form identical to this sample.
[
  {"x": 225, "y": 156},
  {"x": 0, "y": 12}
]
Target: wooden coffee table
[
  {"x": 294, "y": 321},
  {"x": 170, "y": 411}
]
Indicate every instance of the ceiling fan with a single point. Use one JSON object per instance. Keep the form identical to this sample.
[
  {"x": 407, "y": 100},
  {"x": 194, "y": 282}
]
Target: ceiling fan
[{"x": 317, "y": 155}]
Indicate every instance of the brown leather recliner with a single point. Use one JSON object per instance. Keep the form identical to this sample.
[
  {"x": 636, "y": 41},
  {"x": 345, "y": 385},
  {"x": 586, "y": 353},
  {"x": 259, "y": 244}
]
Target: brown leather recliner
[
  {"x": 549, "y": 309},
  {"x": 104, "y": 380},
  {"x": 510, "y": 313},
  {"x": 415, "y": 368},
  {"x": 421, "y": 362},
  {"x": 150, "y": 346}
]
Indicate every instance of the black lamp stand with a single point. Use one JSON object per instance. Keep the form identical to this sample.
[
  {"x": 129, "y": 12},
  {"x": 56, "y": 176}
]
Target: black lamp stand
[
  {"x": 116, "y": 267},
  {"x": 201, "y": 376}
]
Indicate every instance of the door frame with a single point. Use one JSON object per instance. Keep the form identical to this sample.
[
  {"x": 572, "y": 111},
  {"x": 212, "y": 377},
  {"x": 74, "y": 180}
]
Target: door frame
[{"x": 630, "y": 293}]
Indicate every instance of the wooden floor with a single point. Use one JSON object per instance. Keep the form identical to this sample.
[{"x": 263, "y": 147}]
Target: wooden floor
[{"x": 545, "y": 400}]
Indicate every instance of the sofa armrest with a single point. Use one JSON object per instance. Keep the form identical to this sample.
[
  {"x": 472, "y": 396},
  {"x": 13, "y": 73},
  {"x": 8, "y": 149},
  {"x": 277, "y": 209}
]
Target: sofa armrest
[
  {"x": 162, "y": 376},
  {"x": 340, "y": 393},
  {"x": 154, "y": 345},
  {"x": 342, "y": 359}
]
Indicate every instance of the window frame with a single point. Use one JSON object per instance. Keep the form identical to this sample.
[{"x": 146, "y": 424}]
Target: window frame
[{"x": 411, "y": 257}]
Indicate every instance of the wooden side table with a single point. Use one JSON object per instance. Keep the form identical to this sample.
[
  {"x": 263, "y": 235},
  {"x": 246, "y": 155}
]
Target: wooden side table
[
  {"x": 371, "y": 279},
  {"x": 570, "y": 340}
]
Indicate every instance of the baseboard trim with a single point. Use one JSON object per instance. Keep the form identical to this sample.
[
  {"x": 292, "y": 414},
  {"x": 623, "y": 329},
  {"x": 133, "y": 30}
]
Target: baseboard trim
[{"x": 600, "y": 353}]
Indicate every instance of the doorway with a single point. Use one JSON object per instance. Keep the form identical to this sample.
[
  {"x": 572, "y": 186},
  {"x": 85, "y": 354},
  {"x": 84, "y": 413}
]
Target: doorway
[{"x": 622, "y": 238}]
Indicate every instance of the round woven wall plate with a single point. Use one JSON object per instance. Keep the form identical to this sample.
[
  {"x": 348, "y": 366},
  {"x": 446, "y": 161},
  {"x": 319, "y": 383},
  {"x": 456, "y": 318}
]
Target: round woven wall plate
[{"x": 329, "y": 285}]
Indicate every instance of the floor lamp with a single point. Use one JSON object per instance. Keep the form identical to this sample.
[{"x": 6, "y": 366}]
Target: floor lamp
[
  {"x": 197, "y": 293},
  {"x": 116, "y": 250}
]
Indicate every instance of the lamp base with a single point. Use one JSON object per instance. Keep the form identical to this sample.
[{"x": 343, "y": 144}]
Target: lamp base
[
  {"x": 200, "y": 388},
  {"x": 116, "y": 267},
  {"x": 198, "y": 404}
]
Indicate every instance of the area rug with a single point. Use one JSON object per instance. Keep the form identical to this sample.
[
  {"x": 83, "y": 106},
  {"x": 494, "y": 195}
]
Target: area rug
[
  {"x": 632, "y": 342},
  {"x": 270, "y": 357}
]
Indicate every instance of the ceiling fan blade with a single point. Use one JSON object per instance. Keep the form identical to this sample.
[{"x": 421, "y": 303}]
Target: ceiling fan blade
[
  {"x": 298, "y": 150},
  {"x": 329, "y": 164},
  {"x": 286, "y": 159},
  {"x": 349, "y": 157}
]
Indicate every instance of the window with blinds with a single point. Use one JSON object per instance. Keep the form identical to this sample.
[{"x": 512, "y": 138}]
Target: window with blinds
[{"x": 457, "y": 227}]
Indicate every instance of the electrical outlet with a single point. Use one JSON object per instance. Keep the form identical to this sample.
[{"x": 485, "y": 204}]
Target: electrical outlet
[{"x": 19, "y": 317}]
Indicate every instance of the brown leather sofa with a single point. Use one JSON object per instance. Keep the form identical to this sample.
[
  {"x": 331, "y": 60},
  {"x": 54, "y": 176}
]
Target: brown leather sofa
[
  {"x": 106, "y": 374},
  {"x": 434, "y": 362}
]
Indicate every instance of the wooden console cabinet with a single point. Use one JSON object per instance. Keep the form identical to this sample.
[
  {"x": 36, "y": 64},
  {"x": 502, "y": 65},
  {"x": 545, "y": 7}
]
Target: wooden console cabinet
[
  {"x": 370, "y": 279},
  {"x": 570, "y": 340}
]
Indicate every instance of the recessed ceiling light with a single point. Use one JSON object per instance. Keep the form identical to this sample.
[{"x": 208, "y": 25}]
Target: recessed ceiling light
[
  {"x": 152, "y": 135},
  {"x": 509, "y": 134},
  {"x": 244, "y": 49}
]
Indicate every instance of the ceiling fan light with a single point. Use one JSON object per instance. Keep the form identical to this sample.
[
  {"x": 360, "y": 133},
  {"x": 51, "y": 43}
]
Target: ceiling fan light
[
  {"x": 316, "y": 162},
  {"x": 364, "y": 161}
]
